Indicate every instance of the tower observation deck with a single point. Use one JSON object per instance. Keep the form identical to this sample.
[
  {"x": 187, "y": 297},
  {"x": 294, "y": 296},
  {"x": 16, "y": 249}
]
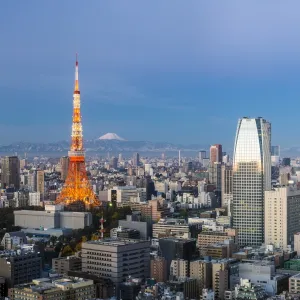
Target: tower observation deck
[{"x": 77, "y": 188}]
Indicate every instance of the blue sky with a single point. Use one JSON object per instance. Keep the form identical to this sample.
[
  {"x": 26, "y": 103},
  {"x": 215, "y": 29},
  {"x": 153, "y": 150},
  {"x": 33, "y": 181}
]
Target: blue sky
[{"x": 177, "y": 71}]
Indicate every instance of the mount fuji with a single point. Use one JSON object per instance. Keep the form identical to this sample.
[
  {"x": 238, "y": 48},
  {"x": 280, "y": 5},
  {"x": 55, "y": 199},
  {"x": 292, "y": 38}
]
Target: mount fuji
[{"x": 111, "y": 136}]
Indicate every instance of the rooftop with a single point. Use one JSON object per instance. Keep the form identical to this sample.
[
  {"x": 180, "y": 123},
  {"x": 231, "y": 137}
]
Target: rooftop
[{"x": 116, "y": 242}]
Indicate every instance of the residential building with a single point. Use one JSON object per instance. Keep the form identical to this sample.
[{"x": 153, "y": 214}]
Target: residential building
[
  {"x": 158, "y": 269},
  {"x": 297, "y": 243},
  {"x": 207, "y": 238},
  {"x": 34, "y": 199},
  {"x": 220, "y": 278},
  {"x": 62, "y": 265},
  {"x": 176, "y": 248},
  {"x": 179, "y": 268},
  {"x": 40, "y": 179},
  {"x": 226, "y": 186},
  {"x": 171, "y": 227},
  {"x": 294, "y": 284},
  {"x": 202, "y": 271},
  {"x": 282, "y": 210},
  {"x": 10, "y": 172},
  {"x": 251, "y": 178},
  {"x": 64, "y": 165},
  {"x": 12, "y": 240}
]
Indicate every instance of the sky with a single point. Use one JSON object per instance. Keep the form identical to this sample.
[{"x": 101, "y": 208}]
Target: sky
[{"x": 175, "y": 71}]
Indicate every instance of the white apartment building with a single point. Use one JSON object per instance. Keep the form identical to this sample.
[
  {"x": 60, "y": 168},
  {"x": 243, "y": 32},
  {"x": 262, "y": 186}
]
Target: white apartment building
[
  {"x": 34, "y": 199},
  {"x": 282, "y": 210},
  {"x": 179, "y": 268},
  {"x": 126, "y": 193},
  {"x": 171, "y": 227}
]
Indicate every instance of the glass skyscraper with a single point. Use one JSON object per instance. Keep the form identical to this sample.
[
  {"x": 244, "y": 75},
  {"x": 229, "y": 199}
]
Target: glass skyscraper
[{"x": 251, "y": 177}]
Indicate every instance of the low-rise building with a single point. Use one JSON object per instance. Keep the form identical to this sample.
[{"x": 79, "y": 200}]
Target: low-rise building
[
  {"x": 58, "y": 289},
  {"x": 62, "y": 265}
]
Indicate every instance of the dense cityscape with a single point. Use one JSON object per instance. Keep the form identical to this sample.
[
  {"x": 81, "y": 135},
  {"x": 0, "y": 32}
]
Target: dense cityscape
[
  {"x": 116, "y": 219},
  {"x": 202, "y": 227}
]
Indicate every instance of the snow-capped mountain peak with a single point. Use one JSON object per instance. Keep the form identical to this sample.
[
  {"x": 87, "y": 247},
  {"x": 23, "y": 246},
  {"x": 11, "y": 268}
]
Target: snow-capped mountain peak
[{"x": 111, "y": 136}]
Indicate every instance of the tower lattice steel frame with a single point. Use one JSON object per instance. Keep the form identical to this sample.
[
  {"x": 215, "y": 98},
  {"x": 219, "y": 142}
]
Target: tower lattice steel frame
[{"x": 77, "y": 187}]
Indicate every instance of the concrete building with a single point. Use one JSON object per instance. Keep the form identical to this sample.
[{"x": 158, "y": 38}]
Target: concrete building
[
  {"x": 40, "y": 182},
  {"x": 251, "y": 178},
  {"x": 62, "y": 265},
  {"x": 226, "y": 186},
  {"x": 155, "y": 210},
  {"x": 158, "y": 269},
  {"x": 10, "y": 172},
  {"x": 34, "y": 199},
  {"x": 207, "y": 238},
  {"x": 58, "y": 289},
  {"x": 282, "y": 210},
  {"x": 124, "y": 233},
  {"x": 263, "y": 273},
  {"x": 220, "y": 278},
  {"x": 171, "y": 227},
  {"x": 297, "y": 243},
  {"x": 11, "y": 240},
  {"x": 32, "y": 182},
  {"x": 122, "y": 194},
  {"x": 202, "y": 271},
  {"x": 294, "y": 284},
  {"x": 116, "y": 259},
  {"x": 207, "y": 295},
  {"x": 64, "y": 165},
  {"x": 142, "y": 227},
  {"x": 52, "y": 217},
  {"x": 247, "y": 290},
  {"x": 176, "y": 248},
  {"x": 216, "y": 154},
  {"x": 20, "y": 266},
  {"x": 215, "y": 173},
  {"x": 179, "y": 268}
]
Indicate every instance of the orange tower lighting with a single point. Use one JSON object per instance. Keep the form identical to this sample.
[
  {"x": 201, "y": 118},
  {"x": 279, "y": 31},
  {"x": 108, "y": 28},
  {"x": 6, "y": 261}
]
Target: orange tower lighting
[{"x": 77, "y": 187}]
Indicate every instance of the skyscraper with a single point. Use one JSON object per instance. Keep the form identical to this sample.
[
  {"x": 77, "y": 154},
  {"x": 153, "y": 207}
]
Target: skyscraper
[
  {"x": 10, "y": 176},
  {"x": 251, "y": 177},
  {"x": 216, "y": 153},
  {"x": 40, "y": 178},
  {"x": 64, "y": 164},
  {"x": 136, "y": 159}
]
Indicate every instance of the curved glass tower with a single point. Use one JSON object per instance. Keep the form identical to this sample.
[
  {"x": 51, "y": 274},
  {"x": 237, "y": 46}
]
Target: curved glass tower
[{"x": 251, "y": 177}]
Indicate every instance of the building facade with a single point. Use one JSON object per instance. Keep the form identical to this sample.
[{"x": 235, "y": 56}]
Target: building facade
[
  {"x": 10, "y": 176},
  {"x": 251, "y": 177},
  {"x": 116, "y": 259},
  {"x": 282, "y": 210},
  {"x": 216, "y": 154}
]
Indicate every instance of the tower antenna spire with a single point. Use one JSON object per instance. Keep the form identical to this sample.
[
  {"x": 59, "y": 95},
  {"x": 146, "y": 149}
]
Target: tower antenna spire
[{"x": 77, "y": 187}]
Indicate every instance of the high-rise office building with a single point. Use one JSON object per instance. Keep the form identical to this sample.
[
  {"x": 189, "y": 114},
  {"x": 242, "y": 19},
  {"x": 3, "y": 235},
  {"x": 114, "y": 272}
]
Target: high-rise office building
[
  {"x": 216, "y": 154},
  {"x": 136, "y": 159},
  {"x": 226, "y": 186},
  {"x": 10, "y": 176},
  {"x": 202, "y": 155},
  {"x": 40, "y": 182},
  {"x": 251, "y": 178},
  {"x": 114, "y": 163},
  {"x": 64, "y": 164},
  {"x": 275, "y": 150}
]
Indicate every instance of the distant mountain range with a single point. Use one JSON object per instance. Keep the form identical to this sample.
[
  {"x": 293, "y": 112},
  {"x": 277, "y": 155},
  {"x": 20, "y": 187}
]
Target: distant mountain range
[{"x": 99, "y": 145}]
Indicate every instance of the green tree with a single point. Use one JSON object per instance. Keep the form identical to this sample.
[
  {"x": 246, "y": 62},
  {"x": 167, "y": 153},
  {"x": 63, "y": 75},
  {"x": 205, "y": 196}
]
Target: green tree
[{"x": 67, "y": 251}]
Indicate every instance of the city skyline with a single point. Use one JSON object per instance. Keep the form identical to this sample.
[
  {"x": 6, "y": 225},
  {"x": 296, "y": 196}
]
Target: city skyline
[{"x": 240, "y": 67}]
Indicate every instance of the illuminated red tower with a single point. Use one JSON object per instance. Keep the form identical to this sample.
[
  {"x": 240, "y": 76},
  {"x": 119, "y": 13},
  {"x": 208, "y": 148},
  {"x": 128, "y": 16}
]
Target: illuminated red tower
[{"x": 77, "y": 187}]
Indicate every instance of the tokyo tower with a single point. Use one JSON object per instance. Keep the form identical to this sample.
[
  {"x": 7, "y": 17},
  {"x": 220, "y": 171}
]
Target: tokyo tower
[{"x": 77, "y": 188}]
